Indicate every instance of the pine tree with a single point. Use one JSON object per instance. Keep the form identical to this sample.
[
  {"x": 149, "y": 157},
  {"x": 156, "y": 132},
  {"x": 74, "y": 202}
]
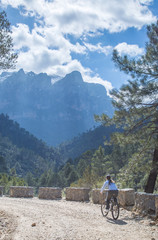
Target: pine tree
[
  {"x": 136, "y": 103},
  {"x": 7, "y": 56},
  {"x": 98, "y": 163}
]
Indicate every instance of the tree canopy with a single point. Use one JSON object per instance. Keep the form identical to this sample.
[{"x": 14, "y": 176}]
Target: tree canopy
[{"x": 7, "y": 55}]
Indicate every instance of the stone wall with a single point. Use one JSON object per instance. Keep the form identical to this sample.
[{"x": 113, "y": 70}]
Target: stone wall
[
  {"x": 146, "y": 203},
  {"x": 50, "y": 193},
  {"x": 77, "y": 194},
  {"x": 143, "y": 203},
  {"x": 22, "y": 191},
  {"x": 1, "y": 191}
]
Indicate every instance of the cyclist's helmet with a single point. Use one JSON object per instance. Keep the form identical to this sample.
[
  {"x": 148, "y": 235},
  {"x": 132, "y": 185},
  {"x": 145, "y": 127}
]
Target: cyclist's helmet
[{"x": 108, "y": 177}]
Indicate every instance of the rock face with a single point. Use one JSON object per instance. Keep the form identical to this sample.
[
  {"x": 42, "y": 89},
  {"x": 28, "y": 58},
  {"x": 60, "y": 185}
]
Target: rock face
[{"x": 52, "y": 112}]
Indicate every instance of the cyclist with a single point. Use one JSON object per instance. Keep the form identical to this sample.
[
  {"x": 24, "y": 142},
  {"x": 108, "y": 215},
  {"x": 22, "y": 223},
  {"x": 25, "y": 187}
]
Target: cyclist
[{"x": 113, "y": 190}]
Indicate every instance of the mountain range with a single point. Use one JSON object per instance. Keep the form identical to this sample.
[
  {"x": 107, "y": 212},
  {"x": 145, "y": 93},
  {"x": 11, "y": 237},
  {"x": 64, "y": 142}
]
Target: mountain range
[{"x": 54, "y": 112}]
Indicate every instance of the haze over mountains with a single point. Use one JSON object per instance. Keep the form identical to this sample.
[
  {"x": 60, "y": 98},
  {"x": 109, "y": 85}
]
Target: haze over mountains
[{"x": 52, "y": 112}]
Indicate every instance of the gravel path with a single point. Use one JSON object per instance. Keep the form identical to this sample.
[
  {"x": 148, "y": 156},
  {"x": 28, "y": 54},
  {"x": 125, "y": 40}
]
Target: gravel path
[{"x": 34, "y": 219}]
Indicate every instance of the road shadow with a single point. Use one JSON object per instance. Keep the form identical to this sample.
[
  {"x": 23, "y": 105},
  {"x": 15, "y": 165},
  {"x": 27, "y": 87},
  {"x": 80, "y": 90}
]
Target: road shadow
[{"x": 118, "y": 221}]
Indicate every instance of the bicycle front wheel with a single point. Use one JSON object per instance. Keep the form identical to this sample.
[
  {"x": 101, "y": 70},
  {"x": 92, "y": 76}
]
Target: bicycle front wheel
[
  {"x": 115, "y": 210},
  {"x": 103, "y": 209}
]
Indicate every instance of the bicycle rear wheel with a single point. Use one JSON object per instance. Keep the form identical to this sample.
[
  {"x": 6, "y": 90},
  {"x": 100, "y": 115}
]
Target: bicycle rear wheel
[
  {"x": 104, "y": 210},
  {"x": 115, "y": 210}
]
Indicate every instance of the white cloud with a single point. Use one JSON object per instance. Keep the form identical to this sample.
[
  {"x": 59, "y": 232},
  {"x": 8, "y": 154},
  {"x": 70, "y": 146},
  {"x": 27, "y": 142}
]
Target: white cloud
[
  {"x": 46, "y": 37},
  {"x": 147, "y": 2},
  {"x": 98, "y": 80},
  {"x": 48, "y": 45},
  {"x": 42, "y": 60},
  {"x": 123, "y": 48},
  {"x": 78, "y": 17},
  {"x": 127, "y": 49},
  {"x": 99, "y": 48},
  {"x": 23, "y": 37}
]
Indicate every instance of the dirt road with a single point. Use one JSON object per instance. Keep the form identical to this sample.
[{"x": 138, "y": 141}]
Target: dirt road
[{"x": 34, "y": 219}]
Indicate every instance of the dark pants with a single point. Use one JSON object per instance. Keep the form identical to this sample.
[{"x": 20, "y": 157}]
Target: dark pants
[{"x": 110, "y": 194}]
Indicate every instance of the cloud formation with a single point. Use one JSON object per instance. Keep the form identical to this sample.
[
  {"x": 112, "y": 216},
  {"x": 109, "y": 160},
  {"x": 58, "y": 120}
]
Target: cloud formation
[
  {"x": 63, "y": 28},
  {"x": 131, "y": 50}
]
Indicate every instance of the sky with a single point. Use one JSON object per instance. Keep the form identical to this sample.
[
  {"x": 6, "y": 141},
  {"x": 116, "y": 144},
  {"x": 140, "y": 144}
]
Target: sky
[{"x": 60, "y": 36}]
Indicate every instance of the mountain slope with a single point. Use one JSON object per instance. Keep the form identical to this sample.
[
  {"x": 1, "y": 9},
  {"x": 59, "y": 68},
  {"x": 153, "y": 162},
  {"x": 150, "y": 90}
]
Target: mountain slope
[
  {"x": 52, "y": 112},
  {"x": 24, "y": 152},
  {"x": 90, "y": 140}
]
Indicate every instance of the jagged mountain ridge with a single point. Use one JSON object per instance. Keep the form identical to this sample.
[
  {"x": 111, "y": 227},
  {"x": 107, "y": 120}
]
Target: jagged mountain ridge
[{"x": 52, "y": 112}]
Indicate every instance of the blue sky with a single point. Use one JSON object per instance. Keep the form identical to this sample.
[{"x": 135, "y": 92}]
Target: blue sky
[{"x": 58, "y": 37}]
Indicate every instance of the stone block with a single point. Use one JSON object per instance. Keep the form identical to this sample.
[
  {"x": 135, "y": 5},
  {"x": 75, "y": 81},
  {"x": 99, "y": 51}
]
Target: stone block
[
  {"x": 146, "y": 202},
  {"x": 50, "y": 193},
  {"x": 77, "y": 194},
  {"x": 97, "y": 198},
  {"x": 126, "y": 197},
  {"x": 21, "y": 191}
]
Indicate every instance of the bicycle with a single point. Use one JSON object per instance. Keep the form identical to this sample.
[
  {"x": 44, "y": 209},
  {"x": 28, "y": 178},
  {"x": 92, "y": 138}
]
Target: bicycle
[{"x": 113, "y": 207}]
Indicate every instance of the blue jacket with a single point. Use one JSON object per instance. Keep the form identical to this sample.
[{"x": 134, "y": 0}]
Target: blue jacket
[{"x": 111, "y": 186}]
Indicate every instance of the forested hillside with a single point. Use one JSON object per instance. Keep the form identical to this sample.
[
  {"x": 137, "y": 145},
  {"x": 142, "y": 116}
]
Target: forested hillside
[
  {"x": 24, "y": 152},
  {"x": 89, "y": 140}
]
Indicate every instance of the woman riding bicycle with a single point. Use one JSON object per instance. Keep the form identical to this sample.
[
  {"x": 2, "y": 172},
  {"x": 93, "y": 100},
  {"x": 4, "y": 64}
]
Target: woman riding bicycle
[{"x": 113, "y": 190}]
